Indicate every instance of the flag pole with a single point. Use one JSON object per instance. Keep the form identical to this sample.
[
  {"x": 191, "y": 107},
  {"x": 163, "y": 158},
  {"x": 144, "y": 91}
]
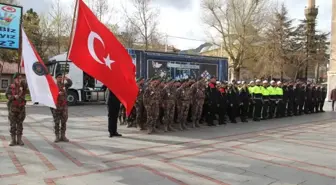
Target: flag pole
[
  {"x": 71, "y": 38},
  {"x": 20, "y": 43}
]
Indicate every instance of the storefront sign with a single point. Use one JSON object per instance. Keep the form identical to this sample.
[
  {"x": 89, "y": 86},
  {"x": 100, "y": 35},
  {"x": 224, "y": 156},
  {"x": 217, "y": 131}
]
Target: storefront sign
[
  {"x": 10, "y": 26},
  {"x": 182, "y": 66}
]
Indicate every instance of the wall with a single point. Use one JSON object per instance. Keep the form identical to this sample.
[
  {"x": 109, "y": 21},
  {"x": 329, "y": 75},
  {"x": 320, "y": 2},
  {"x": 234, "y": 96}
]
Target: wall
[{"x": 5, "y": 78}]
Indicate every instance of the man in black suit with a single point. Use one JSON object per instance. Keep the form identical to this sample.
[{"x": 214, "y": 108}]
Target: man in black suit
[{"x": 113, "y": 107}]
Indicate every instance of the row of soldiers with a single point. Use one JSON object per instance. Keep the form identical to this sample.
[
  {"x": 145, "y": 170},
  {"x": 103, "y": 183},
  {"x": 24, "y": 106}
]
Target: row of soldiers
[{"x": 169, "y": 102}]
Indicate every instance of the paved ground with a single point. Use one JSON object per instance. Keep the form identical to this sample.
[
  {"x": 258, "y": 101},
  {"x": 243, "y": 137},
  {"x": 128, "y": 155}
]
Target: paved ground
[{"x": 289, "y": 151}]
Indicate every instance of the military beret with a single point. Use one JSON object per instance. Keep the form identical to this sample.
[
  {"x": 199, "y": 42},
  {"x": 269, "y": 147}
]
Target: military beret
[
  {"x": 170, "y": 80},
  {"x": 139, "y": 79},
  {"x": 155, "y": 78},
  {"x": 16, "y": 75},
  {"x": 59, "y": 74}
]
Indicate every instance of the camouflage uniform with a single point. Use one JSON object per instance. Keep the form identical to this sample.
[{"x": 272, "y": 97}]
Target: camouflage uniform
[
  {"x": 169, "y": 98},
  {"x": 122, "y": 115},
  {"x": 60, "y": 114},
  {"x": 16, "y": 111},
  {"x": 139, "y": 106},
  {"x": 151, "y": 99},
  {"x": 183, "y": 105},
  {"x": 198, "y": 92}
]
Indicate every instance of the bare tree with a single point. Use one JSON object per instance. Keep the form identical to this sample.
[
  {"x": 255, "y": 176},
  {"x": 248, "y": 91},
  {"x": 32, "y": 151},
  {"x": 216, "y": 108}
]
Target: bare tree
[
  {"x": 61, "y": 25},
  {"x": 235, "y": 25},
  {"x": 129, "y": 36},
  {"x": 101, "y": 8},
  {"x": 144, "y": 20},
  {"x": 13, "y": 2}
]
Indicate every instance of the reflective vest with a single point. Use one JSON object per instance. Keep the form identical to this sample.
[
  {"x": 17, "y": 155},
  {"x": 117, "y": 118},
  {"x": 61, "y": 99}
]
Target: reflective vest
[
  {"x": 250, "y": 89},
  {"x": 272, "y": 92},
  {"x": 265, "y": 92},
  {"x": 257, "y": 92},
  {"x": 279, "y": 91}
]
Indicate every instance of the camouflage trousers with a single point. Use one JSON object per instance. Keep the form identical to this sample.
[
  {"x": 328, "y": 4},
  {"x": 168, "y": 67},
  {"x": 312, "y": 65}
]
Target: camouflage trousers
[
  {"x": 60, "y": 119},
  {"x": 169, "y": 112},
  {"x": 139, "y": 107},
  {"x": 131, "y": 118},
  {"x": 152, "y": 110},
  {"x": 182, "y": 111},
  {"x": 16, "y": 121},
  {"x": 196, "y": 110}
]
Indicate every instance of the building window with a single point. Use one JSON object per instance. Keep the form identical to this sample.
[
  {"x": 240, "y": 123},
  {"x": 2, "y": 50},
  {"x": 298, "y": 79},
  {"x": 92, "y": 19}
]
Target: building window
[{"x": 4, "y": 83}]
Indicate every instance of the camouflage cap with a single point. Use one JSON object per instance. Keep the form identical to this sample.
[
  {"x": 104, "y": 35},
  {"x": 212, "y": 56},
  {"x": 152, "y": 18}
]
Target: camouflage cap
[
  {"x": 139, "y": 79},
  {"x": 169, "y": 80},
  {"x": 16, "y": 75},
  {"x": 156, "y": 78},
  {"x": 59, "y": 74}
]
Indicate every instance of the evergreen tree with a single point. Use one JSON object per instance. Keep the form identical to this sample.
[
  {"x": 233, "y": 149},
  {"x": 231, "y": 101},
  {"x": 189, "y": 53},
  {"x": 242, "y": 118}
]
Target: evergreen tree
[{"x": 280, "y": 39}]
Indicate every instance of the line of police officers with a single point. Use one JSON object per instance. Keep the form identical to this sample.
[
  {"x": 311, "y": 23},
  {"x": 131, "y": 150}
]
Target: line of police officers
[{"x": 176, "y": 104}]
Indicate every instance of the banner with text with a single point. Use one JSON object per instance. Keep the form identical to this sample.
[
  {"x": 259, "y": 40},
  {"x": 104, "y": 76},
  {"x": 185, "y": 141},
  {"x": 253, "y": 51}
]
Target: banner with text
[{"x": 10, "y": 26}]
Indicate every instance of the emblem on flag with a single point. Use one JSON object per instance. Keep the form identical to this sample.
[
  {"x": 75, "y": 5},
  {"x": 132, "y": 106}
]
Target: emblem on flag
[{"x": 39, "y": 69}]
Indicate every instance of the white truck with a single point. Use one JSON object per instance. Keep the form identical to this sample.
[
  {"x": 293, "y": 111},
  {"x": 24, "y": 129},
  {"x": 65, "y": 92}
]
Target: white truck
[{"x": 84, "y": 88}]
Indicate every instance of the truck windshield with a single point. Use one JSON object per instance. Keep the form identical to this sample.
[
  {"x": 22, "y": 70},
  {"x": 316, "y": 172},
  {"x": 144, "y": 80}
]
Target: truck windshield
[
  {"x": 61, "y": 68},
  {"x": 51, "y": 68}
]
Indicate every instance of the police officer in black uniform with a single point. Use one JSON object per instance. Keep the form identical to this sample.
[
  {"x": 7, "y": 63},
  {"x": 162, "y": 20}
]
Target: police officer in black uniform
[
  {"x": 212, "y": 96},
  {"x": 244, "y": 97},
  {"x": 291, "y": 99}
]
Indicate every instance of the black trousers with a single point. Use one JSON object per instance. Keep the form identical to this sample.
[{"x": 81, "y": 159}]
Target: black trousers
[
  {"x": 211, "y": 113},
  {"x": 265, "y": 110},
  {"x": 232, "y": 111},
  {"x": 321, "y": 105},
  {"x": 257, "y": 109},
  {"x": 272, "y": 107},
  {"x": 243, "y": 111},
  {"x": 280, "y": 110},
  {"x": 250, "y": 109},
  {"x": 301, "y": 106},
  {"x": 222, "y": 114},
  {"x": 290, "y": 107},
  {"x": 113, "y": 107}
]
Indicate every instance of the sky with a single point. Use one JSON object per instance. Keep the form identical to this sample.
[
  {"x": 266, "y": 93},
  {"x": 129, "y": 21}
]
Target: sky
[{"x": 182, "y": 18}]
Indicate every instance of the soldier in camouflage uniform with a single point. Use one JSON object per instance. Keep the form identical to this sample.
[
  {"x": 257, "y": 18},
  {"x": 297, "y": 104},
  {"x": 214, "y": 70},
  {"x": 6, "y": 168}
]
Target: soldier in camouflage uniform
[
  {"x": 161, "y": 113},
  {"x": 151, "y": 99},
  {"x": 198, "y": 93},
  {"x": 169, "y": 98},
  {"x": 15, "y": 94},
  {"x": 60, "y": 114},
  {"x": 139, "y": 106},
  {"x": 183, "y": 95}
]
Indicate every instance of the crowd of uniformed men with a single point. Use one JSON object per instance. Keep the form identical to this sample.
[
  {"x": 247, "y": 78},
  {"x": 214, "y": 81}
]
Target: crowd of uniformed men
[{"x": 188, "y": 103}]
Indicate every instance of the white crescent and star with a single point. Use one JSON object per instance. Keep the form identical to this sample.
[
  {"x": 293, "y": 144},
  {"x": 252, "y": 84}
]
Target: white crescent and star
[{"x": 91, "y": 38}]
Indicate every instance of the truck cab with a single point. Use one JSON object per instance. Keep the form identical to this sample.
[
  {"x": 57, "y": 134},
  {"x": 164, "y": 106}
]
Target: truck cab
[{"x": 84, "y": 88}]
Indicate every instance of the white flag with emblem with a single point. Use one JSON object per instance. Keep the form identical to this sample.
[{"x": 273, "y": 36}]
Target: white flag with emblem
[{"x": 42, "y": 87}]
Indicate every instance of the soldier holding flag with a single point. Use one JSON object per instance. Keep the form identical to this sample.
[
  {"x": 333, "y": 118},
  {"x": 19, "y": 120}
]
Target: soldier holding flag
[
  {"x": 60, "y": 114},
  {"x": 15, "y": 94}
]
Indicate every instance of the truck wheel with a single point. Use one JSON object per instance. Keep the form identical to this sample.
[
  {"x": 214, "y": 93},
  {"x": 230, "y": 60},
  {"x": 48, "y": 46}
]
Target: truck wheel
[{"x": 72, "y": 98}]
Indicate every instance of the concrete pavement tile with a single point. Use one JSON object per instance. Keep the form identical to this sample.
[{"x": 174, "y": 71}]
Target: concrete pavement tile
[
  {"x": 163, "y": 182},
  {"x": 282, "y": 183}
]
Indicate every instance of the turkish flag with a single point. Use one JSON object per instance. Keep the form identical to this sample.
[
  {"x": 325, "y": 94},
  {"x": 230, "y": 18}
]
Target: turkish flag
[{"x": 96, "y": 51}]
